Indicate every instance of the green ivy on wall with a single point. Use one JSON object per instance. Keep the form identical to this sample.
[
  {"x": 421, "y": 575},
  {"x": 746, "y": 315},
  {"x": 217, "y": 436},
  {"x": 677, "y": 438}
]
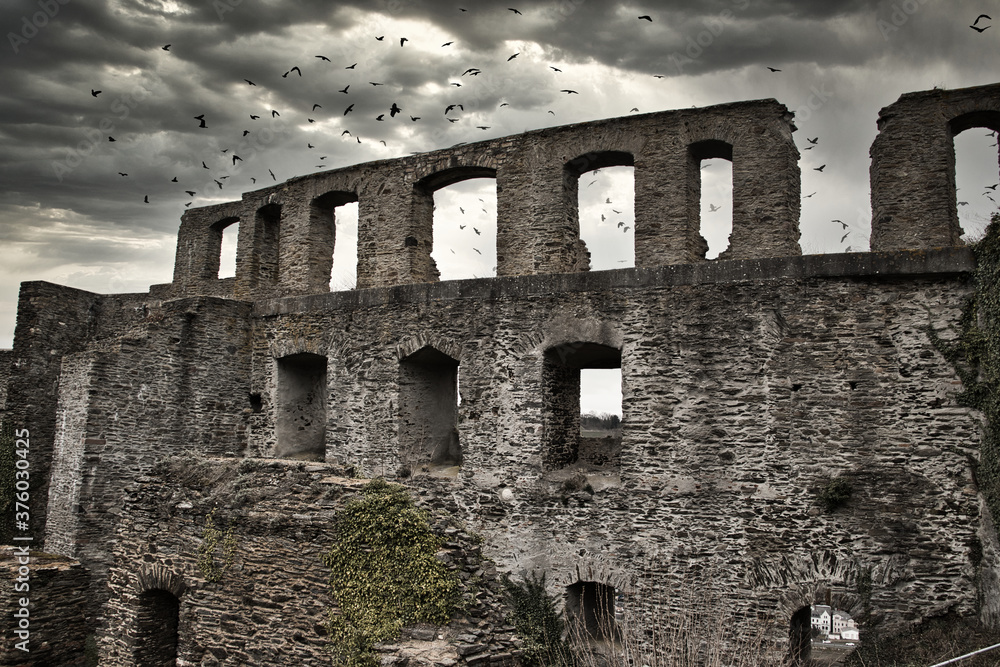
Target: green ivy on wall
[
  {"x": 384, "y": 573},
  {"x": 210, "y": 538}
]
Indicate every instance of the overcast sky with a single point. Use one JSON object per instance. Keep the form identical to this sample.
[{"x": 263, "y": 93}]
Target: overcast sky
[{"x": 68, "y": 216}]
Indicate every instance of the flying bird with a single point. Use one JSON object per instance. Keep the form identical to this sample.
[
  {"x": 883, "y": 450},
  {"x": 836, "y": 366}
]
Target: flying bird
[
  {"x": 567, "y": 90},
  {"x": 272, "y": 175},
  {"x": 773, "y": 69},
  {"x": 381, "y": 116},
  {"x": 621, "y": 224},
  {"x": 812, "y": 141},
  {"x": 712, "y": 208},
  {"x": 219, "y": 183},
  {"x": 345, "y": 89},
  {"x": 166, "y": 47},
  {"x": 647, "y": 18},
  {"x": 310, "y": 145},
  {"x": 311, "y": 120},
  {"x": 322, "y": 58},
  {"x": 477, "y": 251},
  {"x": 274, "y": 113},
  {"x": 513, "y": 56},
  {"x": 145, "y": 199},
  {"x": 809, "y": 195},
  {"x": 172, "y": 180},
  {"x": 317, "y": 106},
  {"x": 633, "y": 109},
  {"x": 112, "y": 139},
  {"x": 452, "y": 120},
  {"x": 403, "y": 40},
  {"x": 963, "y": 203},
  {"x": 842, "y": 238},
  {"x": 978, "y": 29},
  {"x": 345, "y": 132},
  {"x": 376, "y": 84},
  {"x": 478, "y": 233},
  {"x": 820, "y": 168},
  {"x": 554, "y": 69},
  {"x": 393, "y": 110},
  {"x": 992, "y": 187},
  {"x": 190, "y": 192},
  {"x": 95, "y": 93},
  {"x": 626, "y": 230},
  {"x": 471, "y": 69},
  {"x": 250, "y": 82},
  {"x": 552, "y": 112},
  {"x": 483, "y": 127},
  {"x": 414, "y": 118},
  {"x": 452, "y": 106},
  {"x": 201, "y": 118},
  {"x": 607, "y": 200},
  {"x": 253, "y": 180},
  {"x": 252, "y": 117},
  {"x": 297, "y": 70},
  {"x": 841, "y": 223},
  {"x": 447, "y": 44},
  {"x": 380, "y": 38},
  {"x": 122, "y": 173},
  {"x": 981, "y": 16},
  {"x": 382, "y": 141},
  {"x": 456, "y": 84},
  {"x": 351, "y": 66},
  {"x": 514, "y": 10},
  {"x": 204, "y": 166}
]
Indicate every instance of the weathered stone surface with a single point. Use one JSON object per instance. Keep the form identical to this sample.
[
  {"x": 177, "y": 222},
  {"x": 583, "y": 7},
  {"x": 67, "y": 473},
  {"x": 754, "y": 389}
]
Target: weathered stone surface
[{"x": 748, "y": 384}]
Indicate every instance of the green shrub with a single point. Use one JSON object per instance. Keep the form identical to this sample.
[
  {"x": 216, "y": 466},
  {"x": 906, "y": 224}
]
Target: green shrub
[
  {"x": 384, "y": 573},
  {"x": 835, "y": 494},
  {"x": 536, "y": 617}
]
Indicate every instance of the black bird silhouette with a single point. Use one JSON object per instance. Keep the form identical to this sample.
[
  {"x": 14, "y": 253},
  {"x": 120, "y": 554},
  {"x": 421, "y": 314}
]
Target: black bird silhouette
[
  {"x": 552, "y": 112},
  {"x": 219, "y": 183},
  {"x": 820, "y": 168},
  {"x": 345, "y": 89},
  {"x": 505, "y": 104},
  {"x": 513, "y": 56},
  {"x": 982, "y": 16},
  {"x": 393, "y": 110},
  {"x": 250, "y": 82},
  {"x": 173, "y": 180},
  {"x": 235, "y": 158},
  {"x": 414, "y": 118},
  {"x": 204, "y": 166},
  {"x": 359, "y": 139},
  {"x": 253, "y": 180},
  {"x": 478, "y": 233},
  {"x": 274, "y": 113},
  {"x": 812, "y": 141},
  {"x": 348, "y": 109},
  {"x": 322, "y": 58},
  {"x": 647, "y": 18},
  {"x": 554, "y": 69},
  {"x": 809, "y": 195},
  {"x": 514, "y": 10},
  {"x": 447, "y": 44},
  {"x": 483, "y": 127},
  {"x": 95, "y": 93},
  {"x": 452, "y": 120},
  {"x": 566, "y": 90},
  {"x": 402, "y": 40},
  {"x": 202, "y": 119},
  {"x": 633, "y": 109},
  {"x": 382, "y": 141},
  {"x": 477, "y": 251},
  {"x": 376, "y": 84},
  {"x": 456, "y": 84},
  {"x": 310, "y": 120},
  {"x": 471, "y": 69},
  {"x": 188, "y": 204},
  {"x": 145, "y": 199},
  {"x": 345, "y": 132},
  {"x": 772, "y": 69},
  {"x": 296, "y": 70},
  {"x": 992, "y": 187},
  {"x": 351, "y": 66},
  {"x": 808, "y": 148},
  {"x": 310, "y": 145},
  {"x": 167, "y": 47},
  {"x": 977, "y": 29},
  {"x": 842, "y": 238},
  {"x": 112, "y": 139},
  {"x": 381, "y": 116},
  {"x": 317, "y": 106},
  {"x": 272, "y": 175},
  {"x": 252, "y": 117},
  {"x": 380, "y": 38},
  {"x": 122, "y": 173},
  {"x": 246, "y": 132},
  {"x": 190, "y": 192},
  {"x": 841, "y": 223},
  {"x": 452, "y": 106}
]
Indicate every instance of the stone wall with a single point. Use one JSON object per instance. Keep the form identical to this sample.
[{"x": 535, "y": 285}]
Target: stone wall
[
  {"x": 56, "y": 588},
  {"x": 271, "y": 606},
  {"x": 5, "y": 359}
]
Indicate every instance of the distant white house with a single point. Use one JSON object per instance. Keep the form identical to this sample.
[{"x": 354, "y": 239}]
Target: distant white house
[{"x": 834, "y": 623}]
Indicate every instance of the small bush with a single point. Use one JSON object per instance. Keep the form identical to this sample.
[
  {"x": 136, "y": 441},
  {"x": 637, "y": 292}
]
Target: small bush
[
  {"x": 536, "y": 617},
  {"x": 835, "y": 494}
]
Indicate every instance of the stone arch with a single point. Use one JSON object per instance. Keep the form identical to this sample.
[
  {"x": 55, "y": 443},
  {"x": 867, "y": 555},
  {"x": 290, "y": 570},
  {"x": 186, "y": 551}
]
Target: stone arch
[
  {"x": 428, "y": 409},
  {"x": 421, "y": 237},
  {"x": 412, "y": 344},
  {"x": 571, "y": 172},
  {"x": 157, "y": 616},
  {"x": 217, "y": 229},
  {"x": 321, "y": 237},
  {"x": 913, "y": 165}
]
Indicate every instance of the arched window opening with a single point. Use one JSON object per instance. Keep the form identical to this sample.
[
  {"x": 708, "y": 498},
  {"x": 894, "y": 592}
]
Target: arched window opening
[
  {"x": 601, "y": 199},
  {"x": 977, "y": 172},
  {"x": 157, "y": 619},
  {"x": 300, "y": 404},
  {"x": 460, "y": 219},
  {"x": 428, "y": 411},
  {"x": 268, "y": 224},
  {"x": 561, "y": 395},
  {"x": 711, "y": 181},
  {"x": 834, "y": 634},
  {"x": 800, "y": 632},
  {"x": 229, "y": 231},
  {"x": 334, "y": 223},
  {"x": 591, "y": 611}
]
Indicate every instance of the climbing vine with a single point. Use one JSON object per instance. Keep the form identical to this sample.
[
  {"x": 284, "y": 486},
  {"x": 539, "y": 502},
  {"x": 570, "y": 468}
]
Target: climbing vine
[
  {"x": 384, "y": 573},
  {"x": 536, "y": 617},
  {"x": 210, "y": 537}
]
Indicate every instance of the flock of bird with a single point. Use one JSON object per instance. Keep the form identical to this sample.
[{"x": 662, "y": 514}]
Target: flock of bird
[{"x": 450, "y": 114}]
